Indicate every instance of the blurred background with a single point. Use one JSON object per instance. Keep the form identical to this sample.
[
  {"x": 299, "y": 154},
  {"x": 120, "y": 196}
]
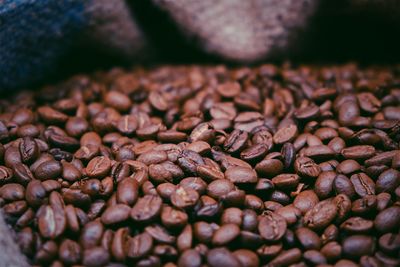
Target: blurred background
[{"x": 44, "y": 41}]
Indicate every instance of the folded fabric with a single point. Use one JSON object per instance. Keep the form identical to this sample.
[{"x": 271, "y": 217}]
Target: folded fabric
[{"x": 36, "y": 34}]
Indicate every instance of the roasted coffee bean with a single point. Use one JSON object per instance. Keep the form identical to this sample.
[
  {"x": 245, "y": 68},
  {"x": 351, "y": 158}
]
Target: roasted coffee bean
[
  {"x": 239, "y": 175},
  {"x": 358, "y": 152},
  {"x": 98, "y": 167},
  {"x": 139, "y": 246},
  {"x": 222, "y": 256},
  {"x": 388, "y": 181},
  {"x": 146, "y": 208},
  {"x": 190, "y": 258},
  {"x": 356, "y": 246},
  {"x": 48, "y": 170},
  {"x": 28, "y": 149},
  {"x": 286, "y": 181},
  {"x": 70, "y": 252},
  {"x": 306, "y": 200},
  {"x": 269, "y": 167},
  {"x": 127, "y": 191},
  {"x": 115, "y": 214},
  {"x": 272, "y": 226},
  {"x": 387, "y": 219},
  {"x": 321, "y": 215},
  {"x": 363, "y": 185},
  {"x": 306, "y": 167},
  {"x": 51, "y": 218},
  {"x": 357, "y": 225},
  {"x": 96, "y": 256},
  {"x": 285, "y": 134},
  {"x": 210, "y": 164},
  {"x": 308, "y": 238}
]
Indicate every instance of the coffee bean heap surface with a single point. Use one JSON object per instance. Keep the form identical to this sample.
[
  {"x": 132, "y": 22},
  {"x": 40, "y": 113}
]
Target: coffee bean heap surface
[{"x": 206, "y": 166}]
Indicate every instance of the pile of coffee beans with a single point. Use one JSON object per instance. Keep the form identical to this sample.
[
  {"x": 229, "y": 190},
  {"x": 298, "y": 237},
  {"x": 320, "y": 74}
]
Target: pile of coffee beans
[{"x": 206, "y": 166}]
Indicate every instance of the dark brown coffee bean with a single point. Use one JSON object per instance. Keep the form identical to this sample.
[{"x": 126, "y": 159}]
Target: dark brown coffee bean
[
  {"x": 173, "y": 217},
  {"x": 247, "y": 257},
  {"x": 285, "y": 134},
  {"x": 118, "y": 101},
  {"x": 29, "y": 150},
  {"x": 50, "y": 115},
  {"x": 286, "y": 181},
  {"x": 70, "y": 252},
  {"x": 146, "y": 208},
  {"x": 96, "y": 256},
  {"x": 48, "y": 170},
  {"x": 358, "y": 245},
  {"x": 115, "y": 214},
  {"x": 98, "y": 167},
  {"x": 225, "y": 234},
  {"x": 358, "y": 152},
  {"x": 387, "y": 219},
  {"x": 184, "y": 197},
  {"x": 363, "y": 185},
  {"x": 306, "y": 167},
  {"x": 51, "y": 218},
  {"x": 332, "y": 251},
  {"x": 314, "y": 257},
  {"x": 348, "y": 167},
  {"x": 222, "y": 256},
  {"x": 190, "y": 258},
  {"x": 272, "y": 226},
  {"x": 308, "y": 238},
  {"x": 390, "y": 243},
  {"x": 321, "y": 215},
  {"x": 139, "y": 246},
  {"x": 12, "y": 192},
  {"x": 127, "y": 191},
  {"x": 388, "y": 181},
  {"x": 287, "y": 257},
  {"x": 6, "y": 174},
  {"x": 305, "y": 200},
  {"x": 239, "y": 175},
  {"x": 343, "y": 185},
  {"x": 269, "y": 167},
  {"x": 236, "y": 141},
  {"x": 357, "y": 225}
]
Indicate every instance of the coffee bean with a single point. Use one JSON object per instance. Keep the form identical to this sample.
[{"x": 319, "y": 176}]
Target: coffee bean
[
  {"x": 321, "y": 215},
  {"x": 285, "y": 134},
  {"x": 127, "y": 191},
  {"x": 357, "y": 225},
  {"x": 96, "y": 256},
  {"x": 211, "y": 164},
  {"x": 363, "y": 185},
  {"x": 247, "y": 257},
  {"x": 222, "y": 256},
  {"x": 70, "y": 252},
  {"x": 306, "y": 167},
  {"x": 388, "y": 181},
  {"x": 118, "y": 101},
  {"x": 358, "y": 152},
  {"x": 184, "y": 197},
  {"x": 51, "y": 218},
  {"x": 356, "y": 246},
  {"x": 387, "y": 219},
  {"x": 269, "y": 167},
  {"x": 115, "y": 214},
  {"x": 272, "y": 226},
  {"x": 308, "y": 238},
  {"x": 305, "y": 200},
  {"x": 146, "y": 208},
  {"x": 190, "y": 258},
  {"x": 286, "y": 180},
  {"x": 139, "y": 246},
  {"x": 98, "y": 167},
  {"x": 286, "y": 258},
  {"x": 239, "y": 175}
]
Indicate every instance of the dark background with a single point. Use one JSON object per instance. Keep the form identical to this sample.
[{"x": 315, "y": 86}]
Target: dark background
[{"x": 338, "y": 34}]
